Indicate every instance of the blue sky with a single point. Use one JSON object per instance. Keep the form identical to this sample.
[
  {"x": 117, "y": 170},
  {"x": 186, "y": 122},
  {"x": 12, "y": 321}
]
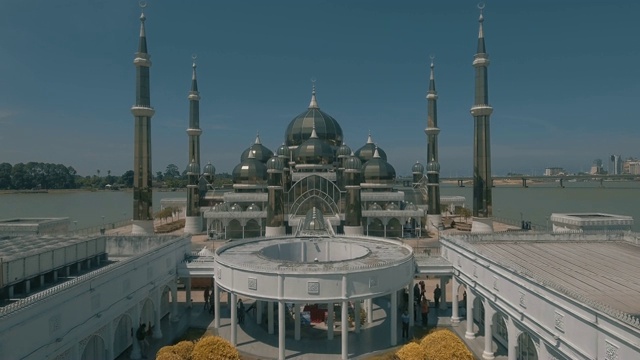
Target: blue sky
[{"x": 563, "y": 80}]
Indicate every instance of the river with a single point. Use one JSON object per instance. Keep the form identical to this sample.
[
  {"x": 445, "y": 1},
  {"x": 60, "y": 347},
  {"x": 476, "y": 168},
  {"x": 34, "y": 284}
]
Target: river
[{"x": 535, "y": 203}]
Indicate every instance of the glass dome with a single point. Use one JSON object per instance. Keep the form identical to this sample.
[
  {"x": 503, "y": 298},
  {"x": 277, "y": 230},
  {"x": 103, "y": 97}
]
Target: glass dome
[
  {"x": 251, "y": 172},
  {"x": 417, "y": 168},
  {"x": 378, "y": 171},
  {"x": 300, "y": 128},
  {"x": 260, "y": 152},
  {"x": 365, "y": 153}
]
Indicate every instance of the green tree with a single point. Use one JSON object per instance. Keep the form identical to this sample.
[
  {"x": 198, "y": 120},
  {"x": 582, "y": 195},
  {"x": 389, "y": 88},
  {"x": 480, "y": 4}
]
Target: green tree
[
  {"x": 5, "y": 175},
  {"x": 172, "y": 171},
  {"x": 127, "y": 178}
]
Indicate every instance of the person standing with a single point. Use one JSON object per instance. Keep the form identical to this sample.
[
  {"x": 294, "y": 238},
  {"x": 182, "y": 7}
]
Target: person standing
[
  {"x": 141, "y": 335},
  {"x": 206, "y": 298},
  {"x": 240, "y": 311},
  {"x": 424, "y": 309},
  {"x": 405, "y": 324},
  {"x": 437, "y": 293}
]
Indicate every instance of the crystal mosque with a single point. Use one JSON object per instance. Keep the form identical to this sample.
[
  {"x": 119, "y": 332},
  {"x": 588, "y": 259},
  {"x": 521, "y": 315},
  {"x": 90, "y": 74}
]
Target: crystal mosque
[{"x": 316, "y": 225}]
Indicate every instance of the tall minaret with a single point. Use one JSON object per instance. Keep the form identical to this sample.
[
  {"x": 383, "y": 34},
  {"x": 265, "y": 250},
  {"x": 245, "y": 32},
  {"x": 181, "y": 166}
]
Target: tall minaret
[
  {"x": 142, "y": 113},
  {"x": 481, "y": 112},
  {"x": 353, "y": 203},
  {"x": 434, "y": 218},
  {"x": 193, "y": 220}
]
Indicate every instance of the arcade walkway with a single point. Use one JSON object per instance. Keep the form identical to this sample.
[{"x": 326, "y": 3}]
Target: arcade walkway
[{"x": 255, "y": 343}]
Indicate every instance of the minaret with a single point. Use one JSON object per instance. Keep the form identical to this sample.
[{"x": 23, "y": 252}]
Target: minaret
[
  {"x": 275, "y": 198},
  {"x": 353, "y": 203},
  {"x": 142, "y": 113},
  {"x": 481, "y": 112},
  {"x": 193, "y": 221},
  {"x": 434, "y": 218}
]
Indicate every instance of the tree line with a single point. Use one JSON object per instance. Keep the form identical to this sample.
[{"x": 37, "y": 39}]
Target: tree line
[{"x": 38, "y": 175}]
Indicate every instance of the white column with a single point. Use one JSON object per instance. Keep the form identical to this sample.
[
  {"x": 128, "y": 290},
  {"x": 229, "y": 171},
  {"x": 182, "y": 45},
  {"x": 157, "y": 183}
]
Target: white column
[
  {"x": 157, "y": 331},
  {"x": 488, "y": 335},
  {"x": 234, "y": 320},
  {"x": 296, "y": 318},
  {"x": 443, "y": 298},
  {"x": 455, "y": 317},
  {"x": 270, "y": 322},
  {"x": 281, "y": 330},
  {"x": 394, "y": 318},
  {"x": 330, "y": 321},
  {"x": 174, "y": 301},
  {"x": 258, "y": 312},
  {"x": 356, "y": 316},
  {"x": 369, "y": 310},
  {"x": 281, "y": 310},
  {"x": 345, "y": 329},
  {"x": 512, "y": 341},
  {"x": 187, "y": 287},
  {"x": 216, "y": 306},
  {"x": 470, "y": 334}
]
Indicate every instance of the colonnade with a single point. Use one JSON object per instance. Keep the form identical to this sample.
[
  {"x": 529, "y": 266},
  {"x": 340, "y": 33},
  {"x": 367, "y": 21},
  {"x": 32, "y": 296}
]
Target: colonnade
[{"x": 297, "y": 315}]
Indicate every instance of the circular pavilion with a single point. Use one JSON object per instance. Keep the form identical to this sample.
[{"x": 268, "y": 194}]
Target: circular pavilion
[{"x": 312, "y": 267}]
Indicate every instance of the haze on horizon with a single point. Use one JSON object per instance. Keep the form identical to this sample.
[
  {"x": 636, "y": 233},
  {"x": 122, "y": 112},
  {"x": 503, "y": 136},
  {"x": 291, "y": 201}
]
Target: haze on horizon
[{"x": 562, "y": 80}]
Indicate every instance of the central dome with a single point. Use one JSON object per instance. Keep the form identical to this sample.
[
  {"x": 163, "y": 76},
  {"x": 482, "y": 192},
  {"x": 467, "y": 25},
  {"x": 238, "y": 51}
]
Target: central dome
[{"x": 300, "y": 128}]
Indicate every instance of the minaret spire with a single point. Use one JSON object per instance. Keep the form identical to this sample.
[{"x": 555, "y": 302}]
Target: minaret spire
[
  {"x": 313, "y": 104},
  {"x": 434, "y": 219},
  {"x": 142, "y": 113},
  {"x": 481, "y": 112},
  {"x": 194, "y": 131}
]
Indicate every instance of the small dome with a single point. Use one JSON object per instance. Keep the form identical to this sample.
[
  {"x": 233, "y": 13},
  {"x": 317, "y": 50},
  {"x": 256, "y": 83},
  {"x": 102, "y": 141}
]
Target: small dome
[
  {"x": 314, "y": 151},
  {"x": 283, "y": 151},
  {"x": 260, "y": 151},
  {"x": 235, "y": 208},
  {"x": 193, "y": 167},
  {"x": 417, "y": 168},
  {"x": 300, "y": 128},
  {"x": 353, "y": 163},
  {"x": 393, "y": 206},
  {"x": 209, "y": 169},
  {"x": 253, "y": 207},
  {"x": 375, "y": 206},
  {"x": 275, "y": 163},
  {"x": 378, "y": 171},
  {"x": 433, "y": 166},
  {"x": 410, "y": 206},
  {"x": 365, "y": 153},
  {"x": 343, "y": 150},
  {"x": 251, "y": 171}
]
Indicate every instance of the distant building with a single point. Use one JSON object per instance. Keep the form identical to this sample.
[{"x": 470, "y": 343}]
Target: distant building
[
  {"x": 631, "y": 166},
  {"x": 554, "y": 171},
  {"x": 616, "y": 162},
  {"x": 596, "y": 167}
]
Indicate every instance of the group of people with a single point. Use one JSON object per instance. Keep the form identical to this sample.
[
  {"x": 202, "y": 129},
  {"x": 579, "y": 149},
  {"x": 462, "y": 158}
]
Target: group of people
[
  {"x": 239, "y": 306},
  {"x": 421, "y": 302}
]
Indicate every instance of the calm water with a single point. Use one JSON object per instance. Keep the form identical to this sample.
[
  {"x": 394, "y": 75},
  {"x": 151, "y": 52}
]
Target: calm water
[
  {"x": 535, "y": 203},
  {"x": 87, "y": 208}
]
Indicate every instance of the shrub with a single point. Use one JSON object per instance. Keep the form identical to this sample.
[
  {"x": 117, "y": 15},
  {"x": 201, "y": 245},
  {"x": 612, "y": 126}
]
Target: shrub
[
  {"x": 444, "y": 344},
  {"x": 168, "y": 355},
  {"x": 412, "y": 351},
  {"x": 214, "y": 348}
]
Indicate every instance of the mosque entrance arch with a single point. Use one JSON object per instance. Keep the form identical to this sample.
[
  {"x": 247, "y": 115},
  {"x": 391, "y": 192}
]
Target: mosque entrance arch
[
  {"x": 314, "y": 191},
  {"x": 94, "y": 349}
]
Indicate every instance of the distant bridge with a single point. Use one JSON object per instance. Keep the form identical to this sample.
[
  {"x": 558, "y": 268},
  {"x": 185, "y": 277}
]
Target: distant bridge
[{"x": 561, "y": 179}]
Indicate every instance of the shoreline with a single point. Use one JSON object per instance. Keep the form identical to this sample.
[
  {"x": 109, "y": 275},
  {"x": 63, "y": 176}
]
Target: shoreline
[{"x": 70, "y": 191}]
